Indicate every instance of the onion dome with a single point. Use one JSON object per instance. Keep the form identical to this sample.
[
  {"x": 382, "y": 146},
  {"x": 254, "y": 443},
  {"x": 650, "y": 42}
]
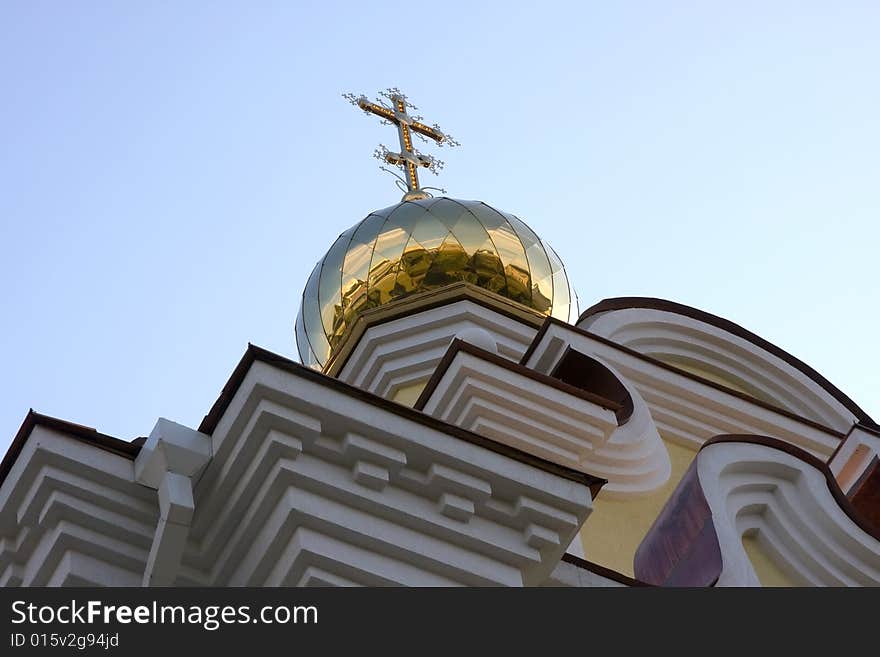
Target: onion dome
[{"x": 422, "y": 245}]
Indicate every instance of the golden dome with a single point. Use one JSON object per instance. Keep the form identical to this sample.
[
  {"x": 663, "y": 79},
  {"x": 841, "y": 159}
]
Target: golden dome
[{"x": 422, "y": 245}]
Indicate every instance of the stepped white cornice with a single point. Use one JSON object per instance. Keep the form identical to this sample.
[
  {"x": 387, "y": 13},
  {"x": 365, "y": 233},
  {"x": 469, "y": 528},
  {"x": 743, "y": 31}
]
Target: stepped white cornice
[
  {"x": 314, "y": 480},
  {"x": 400, "y": 345},
  {"x": 296, "y": 478},
  {"x": 689, "y": 338},
  {"x": 685, "y": 408},
  {"x": 478, "y": 390},
  {"x": 71, "y": 512},
  {"x": 783, "y": 496}
]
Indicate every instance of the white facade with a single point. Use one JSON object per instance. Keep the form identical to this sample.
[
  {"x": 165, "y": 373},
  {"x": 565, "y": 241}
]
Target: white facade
[{"x": 298, "y": 477}]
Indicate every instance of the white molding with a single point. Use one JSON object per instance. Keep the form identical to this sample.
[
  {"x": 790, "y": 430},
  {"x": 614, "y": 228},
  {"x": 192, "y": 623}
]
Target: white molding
[
  {"x": 517, "y": 410},
  {"x": 291, "y": 455},
  {"x": 669, "y": 336},
  {"x": 753, "y": 488},
  {"x": 170, "y": 459},
  {"x": 66, "y": 505},
  {"x": 684, "y": 409},
  {"x": 308, "y": 483},
  {"x": 403, "y": 352}
]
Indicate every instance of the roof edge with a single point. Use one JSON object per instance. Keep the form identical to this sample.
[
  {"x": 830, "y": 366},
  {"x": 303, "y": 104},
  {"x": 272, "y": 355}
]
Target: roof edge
[
  {"x": 801, "y": 454},
  {"x": 653, "y": 303},
  {"x": 80, "y": 432},
  {"x": 460, "y": 346},
  {"x": 552, "y": 321},
  {"x": 254, "y": 353}
]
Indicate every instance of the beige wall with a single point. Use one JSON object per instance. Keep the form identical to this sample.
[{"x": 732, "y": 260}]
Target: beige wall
[
  {"x": 408, "y": 395},
  {"x": 615, "y": 528},
  {"x": 767, "y": 571}
]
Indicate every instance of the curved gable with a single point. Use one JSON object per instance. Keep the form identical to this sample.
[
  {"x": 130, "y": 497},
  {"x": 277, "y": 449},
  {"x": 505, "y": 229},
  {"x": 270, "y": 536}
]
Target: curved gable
[
  {"x": 798, "y": 525},
  {"x": 717, "y": 349}
]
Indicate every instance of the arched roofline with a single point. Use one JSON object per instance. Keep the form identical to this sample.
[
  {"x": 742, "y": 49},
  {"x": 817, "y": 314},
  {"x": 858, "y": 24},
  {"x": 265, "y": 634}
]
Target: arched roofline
[
  {"x": 651, "y": 303},
  {"x": 837, "y": 493}
]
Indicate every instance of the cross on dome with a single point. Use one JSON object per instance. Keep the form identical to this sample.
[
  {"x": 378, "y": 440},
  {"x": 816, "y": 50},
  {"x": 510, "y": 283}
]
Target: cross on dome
[{"x": 393, "y": 111}]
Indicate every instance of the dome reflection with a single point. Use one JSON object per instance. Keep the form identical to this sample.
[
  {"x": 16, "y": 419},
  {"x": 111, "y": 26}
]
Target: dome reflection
[{"x": 423, "y": 245}]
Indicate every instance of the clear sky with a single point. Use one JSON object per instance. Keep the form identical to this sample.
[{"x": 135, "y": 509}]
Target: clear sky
[{"x": 171, "y": 171}]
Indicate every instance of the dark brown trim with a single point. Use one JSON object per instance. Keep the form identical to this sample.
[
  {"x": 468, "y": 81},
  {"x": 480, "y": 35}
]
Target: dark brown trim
[
  {"x": 602, "y": 570},
  {"x": 672, "y": 368},
  {"x": 864, "y": 427},
  {"x": 857, "y": 425},
  {"x": 803, "y": 455},
  {"x": 210, "y": 421},
  {"x": 539, "y": 337},
  {"x": 438, "y": 374},
  {"x": 840, "y": 445},
  {"x": 651, "y": 303},
  {"x": 253, "y": 353},
  {"x": 460, "y": 346},
  {"x": 82, "y": 433}
]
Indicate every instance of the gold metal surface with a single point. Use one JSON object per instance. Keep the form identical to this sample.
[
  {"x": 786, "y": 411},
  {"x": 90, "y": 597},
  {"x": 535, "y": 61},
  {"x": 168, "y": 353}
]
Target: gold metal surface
[{"x": 419, "y": 246}]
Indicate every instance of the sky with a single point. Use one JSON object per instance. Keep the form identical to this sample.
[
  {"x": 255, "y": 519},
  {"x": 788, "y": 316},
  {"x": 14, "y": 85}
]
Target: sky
[{"x": 171, "y": 172}]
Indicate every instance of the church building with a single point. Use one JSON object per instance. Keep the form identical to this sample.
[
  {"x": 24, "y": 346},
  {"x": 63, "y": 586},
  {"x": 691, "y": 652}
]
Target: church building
[{"x": 454, "y": 419}]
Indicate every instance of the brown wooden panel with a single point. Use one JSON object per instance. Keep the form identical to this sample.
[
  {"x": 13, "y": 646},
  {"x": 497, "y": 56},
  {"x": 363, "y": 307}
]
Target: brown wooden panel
[
  {"x": 865, "y": 493},
  {"x": 681, "y": 547}
]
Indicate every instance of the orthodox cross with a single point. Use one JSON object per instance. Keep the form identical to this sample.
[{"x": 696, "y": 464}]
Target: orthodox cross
[{"x": 409, "y": 159}]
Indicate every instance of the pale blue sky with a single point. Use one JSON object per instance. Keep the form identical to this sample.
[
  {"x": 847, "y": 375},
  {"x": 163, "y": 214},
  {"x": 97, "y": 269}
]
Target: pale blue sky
[{"x": 171, "y": 171}]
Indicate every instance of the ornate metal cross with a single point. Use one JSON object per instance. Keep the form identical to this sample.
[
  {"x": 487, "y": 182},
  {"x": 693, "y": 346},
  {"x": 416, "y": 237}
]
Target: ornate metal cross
[{"x": 408, "y": 159}]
